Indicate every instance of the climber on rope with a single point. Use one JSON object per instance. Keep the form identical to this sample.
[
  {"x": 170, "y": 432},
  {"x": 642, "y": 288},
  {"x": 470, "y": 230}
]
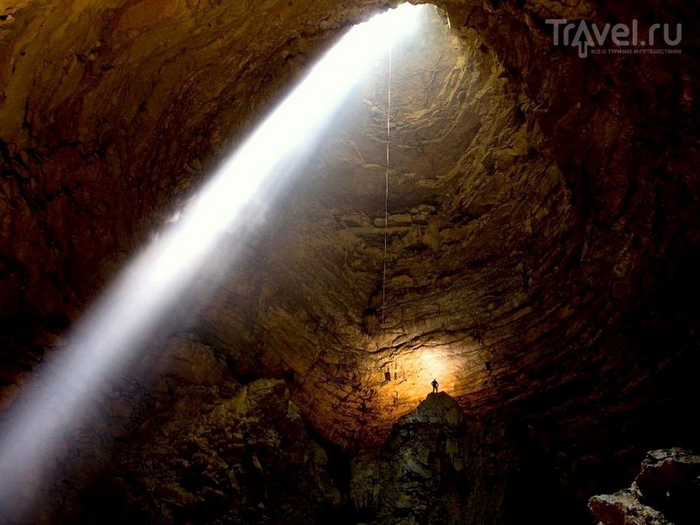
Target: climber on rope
[{"x": 435, "y": 386}]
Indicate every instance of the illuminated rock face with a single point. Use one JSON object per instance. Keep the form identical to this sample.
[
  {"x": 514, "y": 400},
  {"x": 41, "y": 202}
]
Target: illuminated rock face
[
  {"x": 362, "y": 350},
  {"x": 435, "y": 467},
  {"x": 542, "y": 234}
]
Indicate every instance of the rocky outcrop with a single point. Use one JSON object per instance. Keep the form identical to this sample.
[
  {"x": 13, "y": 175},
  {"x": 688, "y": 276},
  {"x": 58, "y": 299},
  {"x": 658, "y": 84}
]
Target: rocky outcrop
[
  {"x": 214, "y": 454},
  {"x": 666, "y": 492},
  {"x": 541, "y": 244},
  {"x": 203, "y": 453},
  {"x": 435, "y": 468},
  {"x": 541, "y": 205}
]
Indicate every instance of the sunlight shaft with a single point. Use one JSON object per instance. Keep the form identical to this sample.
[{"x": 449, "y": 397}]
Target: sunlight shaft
[{"x": 106, "y": 337}]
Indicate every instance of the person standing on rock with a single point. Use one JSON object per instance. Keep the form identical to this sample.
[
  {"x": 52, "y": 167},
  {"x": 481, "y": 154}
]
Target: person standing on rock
[{"x": 435, "y": 386}]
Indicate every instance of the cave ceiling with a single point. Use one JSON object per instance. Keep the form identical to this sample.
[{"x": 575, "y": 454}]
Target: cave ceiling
[{"x": 542, "y": 229}]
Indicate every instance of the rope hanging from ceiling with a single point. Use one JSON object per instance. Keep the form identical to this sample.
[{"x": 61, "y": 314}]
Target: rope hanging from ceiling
[{"x": 386, "y": 184}]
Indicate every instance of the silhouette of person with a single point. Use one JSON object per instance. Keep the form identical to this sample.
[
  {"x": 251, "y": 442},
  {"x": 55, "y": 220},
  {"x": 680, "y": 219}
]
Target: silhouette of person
[{"x": 435, "y": 386}]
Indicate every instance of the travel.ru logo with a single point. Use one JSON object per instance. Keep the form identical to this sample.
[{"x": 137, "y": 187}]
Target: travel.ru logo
[{"x": 589, "y": 36}]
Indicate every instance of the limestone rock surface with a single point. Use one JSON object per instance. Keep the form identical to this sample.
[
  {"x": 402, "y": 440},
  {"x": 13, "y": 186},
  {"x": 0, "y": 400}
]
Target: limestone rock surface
[
  {"x": 541, "y": 245},
  {"x": 664, "y": 493},
  {"x": 239, "y": 455},
  {"x": 435, "y": 468}
]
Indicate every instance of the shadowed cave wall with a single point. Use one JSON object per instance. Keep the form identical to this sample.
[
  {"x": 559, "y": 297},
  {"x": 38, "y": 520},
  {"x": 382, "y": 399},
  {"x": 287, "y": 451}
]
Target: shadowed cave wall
[{"x": 543, "y": 220}]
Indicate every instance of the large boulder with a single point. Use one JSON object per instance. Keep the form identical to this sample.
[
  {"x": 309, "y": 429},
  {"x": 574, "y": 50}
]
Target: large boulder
[
  {"x": 434, "y": 468},
  {"x": 666, "y": 491},
  {"x": 624, "y": 508}
]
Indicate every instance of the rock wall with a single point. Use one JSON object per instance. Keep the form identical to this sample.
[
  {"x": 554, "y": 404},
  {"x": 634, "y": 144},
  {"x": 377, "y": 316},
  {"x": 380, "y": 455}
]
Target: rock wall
[
  {"x": 435, "y": 468},
  {"x": 108, "y": 114},
  {"x": 207, "y": 454},
  {"x": 540, "y": 223},
  {"x": 665, "y": 492},
  {"x": 542, "y": 238}
]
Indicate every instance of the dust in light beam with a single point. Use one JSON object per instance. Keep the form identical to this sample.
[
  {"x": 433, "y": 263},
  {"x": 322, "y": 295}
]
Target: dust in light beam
[{"x": 107, "y": 336}]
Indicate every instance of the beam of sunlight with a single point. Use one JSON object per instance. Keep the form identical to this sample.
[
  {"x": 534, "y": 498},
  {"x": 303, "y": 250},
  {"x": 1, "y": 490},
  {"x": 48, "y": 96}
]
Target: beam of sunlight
[{"x": 105, "y": 338}]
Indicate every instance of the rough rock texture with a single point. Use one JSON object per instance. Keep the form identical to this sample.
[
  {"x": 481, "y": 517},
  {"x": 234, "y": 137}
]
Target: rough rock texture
[
  {"x": 89, "y": 92},
  {"x": 623, "y": 508},
  {"x": 670, "y": 482},
  {"x": 551, "y": 218},
  {"x": 314, "y": 290},
  {"x": 435, "y": 468},
  {"x": 191, "y": 375},
  {"x": 228, "y": 454},
  {"x": 543, "y": 232},
  {"x": 665, "y": 492},
  {"x": 205, "y": 454}
]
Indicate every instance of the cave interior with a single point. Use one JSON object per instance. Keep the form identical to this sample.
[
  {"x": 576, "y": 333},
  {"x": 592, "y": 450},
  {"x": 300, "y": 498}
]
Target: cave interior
[{"x": 483, "y": 208}]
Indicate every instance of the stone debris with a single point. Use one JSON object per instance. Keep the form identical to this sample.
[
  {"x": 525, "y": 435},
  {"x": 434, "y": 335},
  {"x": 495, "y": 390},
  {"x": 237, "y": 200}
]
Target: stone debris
[
  {"x": 666, "y": 492},
  {"x": 433, "y": 469}
]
